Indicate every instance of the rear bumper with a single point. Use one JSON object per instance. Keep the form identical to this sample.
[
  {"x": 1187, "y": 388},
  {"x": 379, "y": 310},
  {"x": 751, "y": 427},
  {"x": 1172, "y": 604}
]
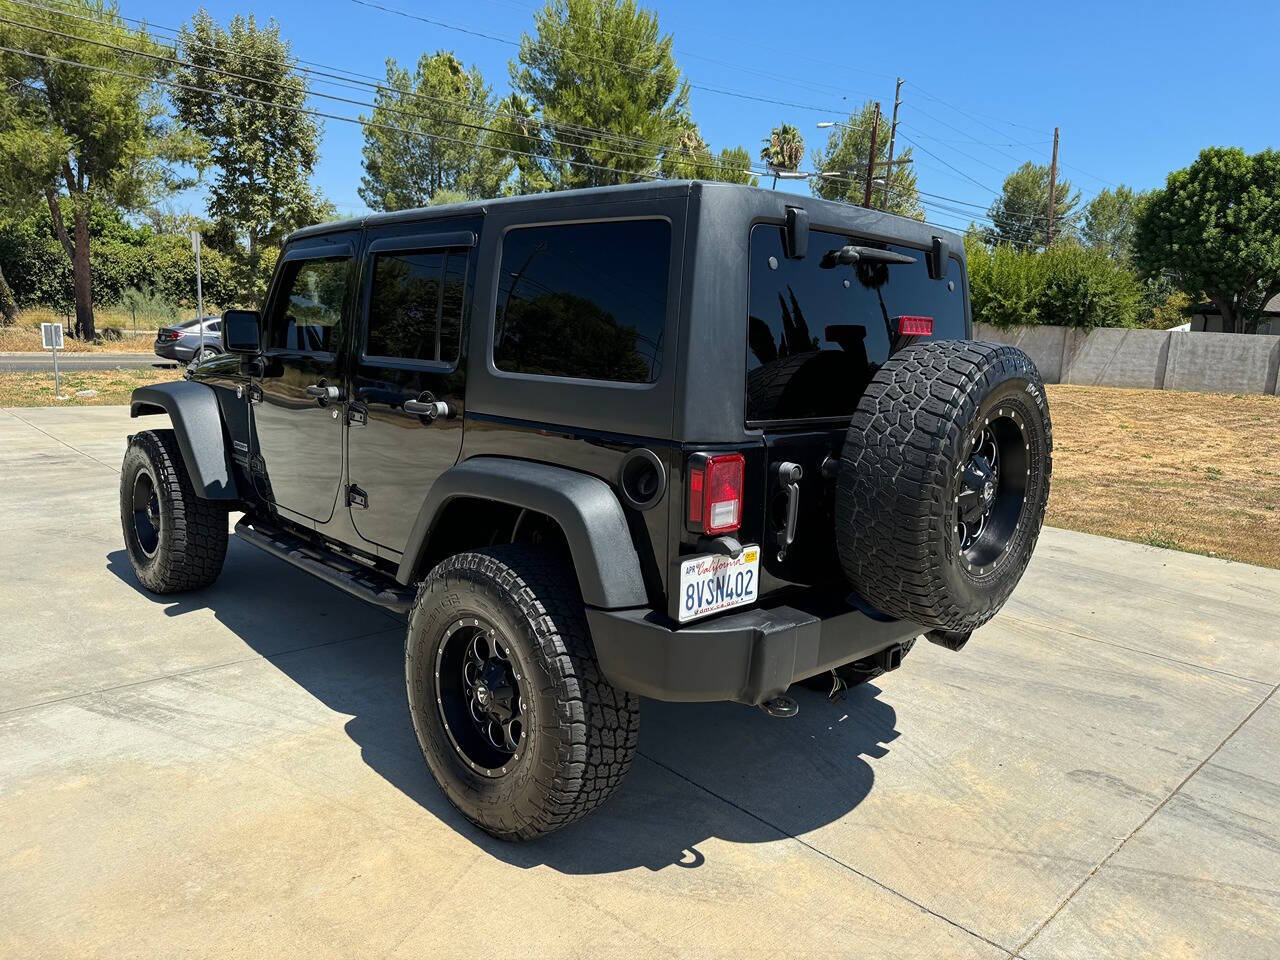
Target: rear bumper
[
  {"x": 171, "y": 351},
  {"x": 750, "y": 657}
]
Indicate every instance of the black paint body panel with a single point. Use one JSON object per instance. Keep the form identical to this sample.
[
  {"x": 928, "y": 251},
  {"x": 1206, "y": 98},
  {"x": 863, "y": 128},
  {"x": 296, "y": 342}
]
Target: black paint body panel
[{"x": 555, "y": 445}]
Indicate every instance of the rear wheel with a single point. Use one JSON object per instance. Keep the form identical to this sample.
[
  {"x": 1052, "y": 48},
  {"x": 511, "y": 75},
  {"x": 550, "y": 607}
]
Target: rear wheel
[
  {"x": 520, "y": 730},
  {"x": 175, "y": 540},
  {"x": 943, "y": 482}
]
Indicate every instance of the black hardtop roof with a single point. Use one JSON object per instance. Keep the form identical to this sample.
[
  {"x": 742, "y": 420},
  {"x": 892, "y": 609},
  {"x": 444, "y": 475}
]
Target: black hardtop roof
[{"x": 770, "y": 203}]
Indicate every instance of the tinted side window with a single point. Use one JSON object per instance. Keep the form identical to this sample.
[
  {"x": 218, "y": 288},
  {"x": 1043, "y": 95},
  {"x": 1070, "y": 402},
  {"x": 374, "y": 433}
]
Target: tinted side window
[
  {"x": 584, "y": 300},
  {"x": 308, "y": 311},
  {"x": 415, "y": 310},
  {"x": 816, "y": 335}
]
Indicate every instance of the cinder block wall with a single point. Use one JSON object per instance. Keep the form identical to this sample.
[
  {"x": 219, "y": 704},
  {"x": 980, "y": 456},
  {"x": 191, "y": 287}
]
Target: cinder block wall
[{"x": 1149, "y": 359}]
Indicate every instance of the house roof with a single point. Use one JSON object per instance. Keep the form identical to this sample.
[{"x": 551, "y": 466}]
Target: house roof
[{"x": 1270, "y": 309}]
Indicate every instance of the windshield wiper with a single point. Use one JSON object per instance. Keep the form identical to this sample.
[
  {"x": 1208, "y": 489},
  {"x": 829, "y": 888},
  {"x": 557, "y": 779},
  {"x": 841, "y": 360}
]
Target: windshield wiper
[{"x": 850, "y": 255}]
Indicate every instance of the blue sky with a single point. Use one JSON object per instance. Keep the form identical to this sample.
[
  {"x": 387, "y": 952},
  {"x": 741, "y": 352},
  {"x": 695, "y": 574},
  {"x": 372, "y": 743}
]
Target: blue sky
[{"x": 1138, "y": 88}]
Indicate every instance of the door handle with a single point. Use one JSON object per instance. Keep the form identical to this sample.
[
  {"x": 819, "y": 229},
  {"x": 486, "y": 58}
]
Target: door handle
[
  {"x": 789, "y": 475},
  {"x": 322, "y": 392},
  {"x": 431, "y": 410}
]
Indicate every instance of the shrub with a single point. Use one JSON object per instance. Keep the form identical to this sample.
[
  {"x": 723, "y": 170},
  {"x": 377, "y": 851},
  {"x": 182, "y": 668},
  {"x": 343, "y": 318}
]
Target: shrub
[
  {"x": 1003, "y": 284},
  {"x": 1083, "y": 287},
  {"x": 1066, "y": 284}
]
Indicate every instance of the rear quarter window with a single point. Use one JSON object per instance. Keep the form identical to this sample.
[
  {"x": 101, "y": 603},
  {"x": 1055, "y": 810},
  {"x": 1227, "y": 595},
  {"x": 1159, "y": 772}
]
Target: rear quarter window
[
  {"x": 816, "y": 335},
  {"x": 584, "y": 300}
]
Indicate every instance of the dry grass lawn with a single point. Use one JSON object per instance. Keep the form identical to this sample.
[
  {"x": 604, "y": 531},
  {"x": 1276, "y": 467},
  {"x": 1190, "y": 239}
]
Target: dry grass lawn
[
  {"x": 24, "y": 335},
  {"x": 112, "y": 386},
  {"x": 1190, "y": 471}
]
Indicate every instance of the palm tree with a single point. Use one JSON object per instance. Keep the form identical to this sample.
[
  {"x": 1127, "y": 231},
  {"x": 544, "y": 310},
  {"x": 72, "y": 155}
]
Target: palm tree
[{"x": 783, "y": 148}]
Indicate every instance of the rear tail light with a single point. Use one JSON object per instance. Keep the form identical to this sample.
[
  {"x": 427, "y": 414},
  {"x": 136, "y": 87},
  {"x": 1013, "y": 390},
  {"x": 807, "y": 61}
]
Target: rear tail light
[
  {"x": 168, "y": 335},
  {"x": 915, "y": 326},
  {"x": 714, "y": 497}
]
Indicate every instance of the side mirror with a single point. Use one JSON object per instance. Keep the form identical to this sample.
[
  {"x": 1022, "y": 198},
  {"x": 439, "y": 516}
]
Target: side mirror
[{"x": 240, "y": 332}]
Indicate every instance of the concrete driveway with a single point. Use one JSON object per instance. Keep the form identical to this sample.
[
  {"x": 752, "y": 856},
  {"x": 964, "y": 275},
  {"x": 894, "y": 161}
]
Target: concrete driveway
[{"x": 233, "y": 772}]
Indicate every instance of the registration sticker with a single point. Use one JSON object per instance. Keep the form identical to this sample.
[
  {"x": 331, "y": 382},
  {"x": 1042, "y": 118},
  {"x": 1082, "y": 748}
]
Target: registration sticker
[{"x": 714, "y": 583}]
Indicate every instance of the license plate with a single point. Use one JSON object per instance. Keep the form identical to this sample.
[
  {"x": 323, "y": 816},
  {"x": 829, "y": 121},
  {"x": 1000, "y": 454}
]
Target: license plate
[{"x": 714, "y": 583}]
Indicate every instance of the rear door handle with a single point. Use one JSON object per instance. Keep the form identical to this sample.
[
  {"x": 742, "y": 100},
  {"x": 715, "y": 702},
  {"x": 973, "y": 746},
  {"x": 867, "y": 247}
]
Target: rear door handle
[
  {"x": 432, "y": 410},
  {"x": 789, "y": 475},
  {"x": 322, "y": 392}
]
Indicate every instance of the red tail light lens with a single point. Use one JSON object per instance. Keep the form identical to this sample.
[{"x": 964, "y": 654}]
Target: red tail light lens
[
  {"x": 168, "y": 335},
  {"x": 715, "y": 492},
  {"x": 915, "y": 326}
]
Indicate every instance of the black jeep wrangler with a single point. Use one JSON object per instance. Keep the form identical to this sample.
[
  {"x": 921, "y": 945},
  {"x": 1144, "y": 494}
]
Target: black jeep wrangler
[{"x": 680, "y": 440}]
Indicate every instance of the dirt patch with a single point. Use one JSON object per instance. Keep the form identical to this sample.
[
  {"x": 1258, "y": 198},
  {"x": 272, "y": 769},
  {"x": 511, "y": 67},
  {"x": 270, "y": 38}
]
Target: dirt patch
[
  {"x": 111, "y": 386},
  {"x": 1190, "y": 471}
]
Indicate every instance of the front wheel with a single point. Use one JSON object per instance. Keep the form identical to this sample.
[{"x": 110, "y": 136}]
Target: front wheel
[
  {"x": 520, "y": 730},
  {"x": 175, "y": 540}
]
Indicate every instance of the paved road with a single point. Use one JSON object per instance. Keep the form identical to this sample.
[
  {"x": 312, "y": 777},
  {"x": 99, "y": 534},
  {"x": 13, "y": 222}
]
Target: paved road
[
  {"x": 25, "y": 362},
  {"x": 233, "y": 772}
]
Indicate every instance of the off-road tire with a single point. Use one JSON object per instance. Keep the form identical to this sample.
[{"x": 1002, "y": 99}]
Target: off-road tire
[
  {"x": 581, "y": 733},
  {"x": 192, "y": 540},
  {"x": 897, "y": 543}
]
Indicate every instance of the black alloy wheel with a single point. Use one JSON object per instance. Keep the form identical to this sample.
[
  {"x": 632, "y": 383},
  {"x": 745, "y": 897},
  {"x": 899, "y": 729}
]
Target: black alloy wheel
[
  {"x": 478, "y": 694},
  {"x": 990, "y": 490},
  {"x": 146, "y": 513}
]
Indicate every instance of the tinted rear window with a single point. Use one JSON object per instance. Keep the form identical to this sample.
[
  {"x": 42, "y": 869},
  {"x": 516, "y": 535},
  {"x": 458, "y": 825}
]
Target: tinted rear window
[
  {"x": 585, "y": 300},
  {"x": 816, "y": 335}
]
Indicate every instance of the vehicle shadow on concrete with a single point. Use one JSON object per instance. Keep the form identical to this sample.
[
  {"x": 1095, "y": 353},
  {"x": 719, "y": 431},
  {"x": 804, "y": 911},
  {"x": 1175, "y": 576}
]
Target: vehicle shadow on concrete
[{"x": 705, "y": 771}]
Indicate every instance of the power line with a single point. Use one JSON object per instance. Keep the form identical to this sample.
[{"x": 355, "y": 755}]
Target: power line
[
  {"x": 306, "y": 110},
  {"x": 494, "y": 112},
  {"x": 509, "y": 151},
  {"x": 575, "y": 130},
  {"x": 625, "y": 66},
  {"x": 709, "y": 159},
  {"x": 950, "y": 166}
]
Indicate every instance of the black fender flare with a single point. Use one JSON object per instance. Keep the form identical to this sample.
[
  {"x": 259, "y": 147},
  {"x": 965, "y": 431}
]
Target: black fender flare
[
  {"x": 584, "y": 506},
  {"x": 193, "y": 410}
]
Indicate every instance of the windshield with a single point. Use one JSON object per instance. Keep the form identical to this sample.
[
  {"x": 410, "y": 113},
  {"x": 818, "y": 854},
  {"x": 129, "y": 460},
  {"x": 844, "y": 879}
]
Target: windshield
[{"x": 817, "y": 333}]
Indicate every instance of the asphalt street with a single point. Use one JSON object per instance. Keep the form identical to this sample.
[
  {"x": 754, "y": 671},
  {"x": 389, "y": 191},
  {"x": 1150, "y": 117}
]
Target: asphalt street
[{"x": 28, "y": 362}]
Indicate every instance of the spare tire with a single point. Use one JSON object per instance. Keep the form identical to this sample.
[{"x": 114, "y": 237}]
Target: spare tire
[{"x": 943, "y": 482}]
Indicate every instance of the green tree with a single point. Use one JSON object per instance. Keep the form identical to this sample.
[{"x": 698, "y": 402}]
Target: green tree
[
  {"x": 1083, "y": 287},
  {"x": 428, "y": 134},
  {"x": 598, "y": 95},
  {"x": 1108, "y": 222},
  {"x": 1216, "y": 228},
  {"x": 243, "y": 95},
  {"x": 72, "y": 129},
  {"x": 689, "y": 158},
  {"x": 845, "y": 156},
  {"x": 783, "y": 148},
  {"x": 1021, "y": 213}
]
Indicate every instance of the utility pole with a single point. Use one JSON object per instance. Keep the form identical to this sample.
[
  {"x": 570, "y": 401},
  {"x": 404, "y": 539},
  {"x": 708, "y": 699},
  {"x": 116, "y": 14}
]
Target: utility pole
[
  {"x": 871, "y": 160},
  {"x": 1053, "y": 184},
  {"x": 893, "y": 135}
]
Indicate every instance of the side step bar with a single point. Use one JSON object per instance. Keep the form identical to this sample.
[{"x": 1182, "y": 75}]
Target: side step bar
[{"x": 328, "y": 566}]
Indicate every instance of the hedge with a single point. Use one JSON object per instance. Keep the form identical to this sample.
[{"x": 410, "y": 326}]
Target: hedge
[
  {"x": 1067, "y": 284},
  {"x": 121, "y": 257}
]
